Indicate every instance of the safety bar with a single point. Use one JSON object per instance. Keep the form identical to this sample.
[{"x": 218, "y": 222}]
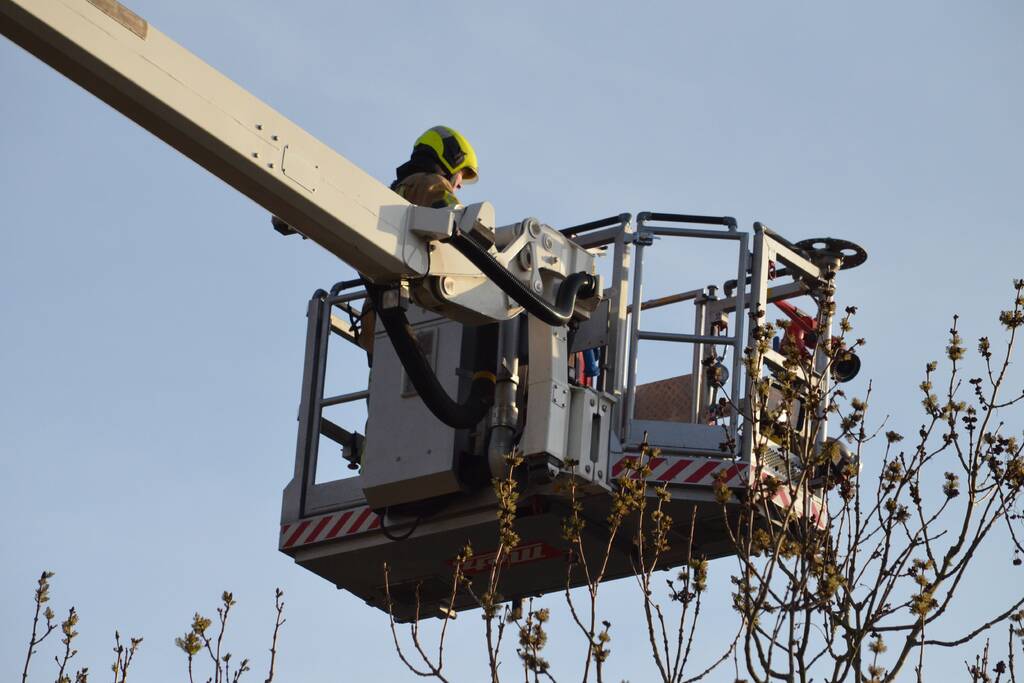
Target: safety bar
[
  {"x": 690, "y": 232},
  {"x": 344, "y": 298},
  {"x": 621, "y": 219},
  {"x": 730, "y": 285},
  {"x": 600, "y": 238},
  {"x": 776, "y": 293},
  {"x": 646, "y": 216},
  {"x": 345, "y": 284},
  {"x": 345, "y": 398},
  {"x": 686, "y": 338},
  {"x": 336, "y": 297},
  {"x": 668, "y": 300}
]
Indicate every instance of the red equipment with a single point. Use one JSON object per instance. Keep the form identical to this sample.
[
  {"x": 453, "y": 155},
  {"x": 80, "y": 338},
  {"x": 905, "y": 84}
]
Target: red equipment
[{"x": 803, "y": 332}]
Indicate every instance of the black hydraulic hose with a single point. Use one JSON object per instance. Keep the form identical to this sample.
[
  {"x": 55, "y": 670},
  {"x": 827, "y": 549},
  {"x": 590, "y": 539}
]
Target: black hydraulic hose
[
  {"x": 457, "y": 415},
  {"x": 390, "y": 535},
  {"x": 576, "y": 284}
]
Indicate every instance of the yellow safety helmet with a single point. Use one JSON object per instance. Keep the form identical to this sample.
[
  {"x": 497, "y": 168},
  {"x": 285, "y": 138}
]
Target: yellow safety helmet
[{"x": 451, "y": 150}]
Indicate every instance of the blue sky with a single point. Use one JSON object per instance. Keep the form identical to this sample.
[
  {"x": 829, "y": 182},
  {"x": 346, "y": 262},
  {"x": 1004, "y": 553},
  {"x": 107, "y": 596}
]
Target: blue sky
[{"x": 153, "y": 322}]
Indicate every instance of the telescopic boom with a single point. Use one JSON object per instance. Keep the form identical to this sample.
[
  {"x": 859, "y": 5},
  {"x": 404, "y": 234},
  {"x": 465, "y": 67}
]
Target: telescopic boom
[{"x": 119, "y": 57}]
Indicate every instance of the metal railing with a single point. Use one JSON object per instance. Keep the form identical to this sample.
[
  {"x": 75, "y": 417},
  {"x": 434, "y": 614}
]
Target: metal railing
[
  {"x": 617, "y": 232},
  {"x": 645, "y": 233}
]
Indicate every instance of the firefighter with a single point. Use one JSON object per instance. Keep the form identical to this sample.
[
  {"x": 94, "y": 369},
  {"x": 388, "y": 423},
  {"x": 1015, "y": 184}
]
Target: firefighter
[{"x": 442, "y": 161}]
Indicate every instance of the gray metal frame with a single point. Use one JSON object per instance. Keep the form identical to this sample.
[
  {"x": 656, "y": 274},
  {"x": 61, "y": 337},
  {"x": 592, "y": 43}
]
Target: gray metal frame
[
  {"x": 645, "y": 238},
  {"x": 770, "y": 247},
  {"x": 690, "y": 454},
  {"x": 621, "y": 350},
  {"x": 310, "y": 497},
  {"x": 754, "y": 270},
  {"x": 617, "y": 232}
]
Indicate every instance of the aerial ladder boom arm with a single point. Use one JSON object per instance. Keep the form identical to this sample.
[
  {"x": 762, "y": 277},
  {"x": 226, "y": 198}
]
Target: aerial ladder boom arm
[{"x": 119, "y": 57}]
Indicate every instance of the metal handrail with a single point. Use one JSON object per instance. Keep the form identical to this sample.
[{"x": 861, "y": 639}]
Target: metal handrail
[
  {"x": 345, "y": 298},
  {"x": 621, "y": 219},
  {"x": 345, "y": 398},
  {"x": 686, "y": 338},
  {"x": 669, "y": 300},
  {"x": 645, "y": 216}
]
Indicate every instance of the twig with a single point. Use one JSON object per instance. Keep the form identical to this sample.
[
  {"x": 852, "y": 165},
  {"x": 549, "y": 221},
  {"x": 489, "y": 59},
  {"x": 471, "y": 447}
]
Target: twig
[
  {"x": 278, "y": 623},
  {"x": 42, "y": 596}
]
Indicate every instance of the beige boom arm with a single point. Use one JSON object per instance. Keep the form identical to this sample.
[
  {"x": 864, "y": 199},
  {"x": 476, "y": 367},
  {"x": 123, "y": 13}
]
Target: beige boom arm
[{"x": 116, "y": 55}]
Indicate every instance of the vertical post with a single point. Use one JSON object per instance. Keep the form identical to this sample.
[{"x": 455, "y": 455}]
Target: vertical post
[
  {"x": 738, "y": 333},
  {"x": 642, "y": 240},
  {"x": 614, "y": 357},
  {"x": 308, "y": 439},
  {"x": 824, "y": 347},
  {"x": 317, "y": 407},
  {"x": 700, "y": 306},
  {"x": 758, "y": 304}
]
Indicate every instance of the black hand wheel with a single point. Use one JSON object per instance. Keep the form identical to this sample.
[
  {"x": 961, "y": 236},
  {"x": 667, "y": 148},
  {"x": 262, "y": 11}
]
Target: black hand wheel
[{"x": 852, "y": 255}]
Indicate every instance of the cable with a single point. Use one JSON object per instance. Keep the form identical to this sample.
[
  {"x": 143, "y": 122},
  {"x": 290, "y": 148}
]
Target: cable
[
  {"x": 391, "y": 537},
  {"x": 422, "y": 376},
  {"x": 481, "y": 394},
  {"x": 575, "y": 285}
]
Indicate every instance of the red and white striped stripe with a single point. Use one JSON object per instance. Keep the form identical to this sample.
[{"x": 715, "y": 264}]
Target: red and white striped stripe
[
  {"x": 704, "y": 471},
  {"x": 813, "y": 506},
  {"x": 328, "y": 527},
  {"x": 693, "y": 471}
]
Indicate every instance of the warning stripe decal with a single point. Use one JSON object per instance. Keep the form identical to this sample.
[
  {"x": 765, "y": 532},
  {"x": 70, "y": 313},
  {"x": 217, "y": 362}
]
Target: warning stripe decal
[
  {"x": 298, "y": 532},
  {"x": 340, "y": 524},
  {"x": 703, "y": 471},
  {"x": 694, "y": 471},
  {"x": 328, "y": 527},
  {"x": 790, "y": 500}
]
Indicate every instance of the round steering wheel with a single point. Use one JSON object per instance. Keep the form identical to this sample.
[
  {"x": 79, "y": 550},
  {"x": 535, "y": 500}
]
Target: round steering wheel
[{"x": 852, "y": 255}]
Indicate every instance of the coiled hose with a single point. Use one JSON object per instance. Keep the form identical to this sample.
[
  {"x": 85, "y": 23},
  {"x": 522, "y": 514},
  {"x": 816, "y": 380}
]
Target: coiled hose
[{"x": 422, "y": 376}]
